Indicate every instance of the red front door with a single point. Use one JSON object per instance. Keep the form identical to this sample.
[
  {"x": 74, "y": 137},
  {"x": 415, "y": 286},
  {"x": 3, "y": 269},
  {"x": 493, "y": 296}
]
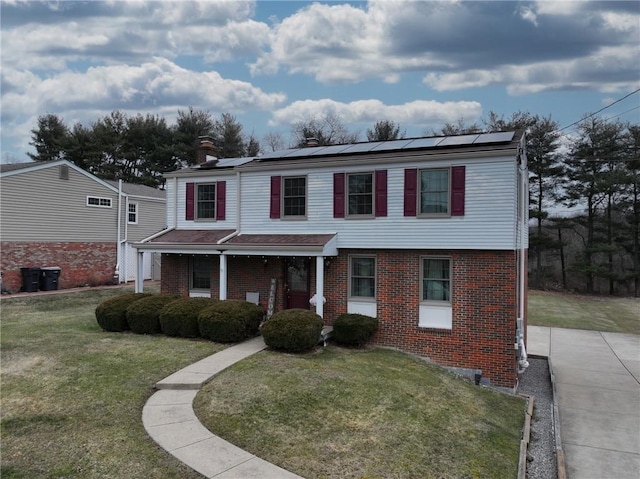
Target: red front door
[{"x": 297, "y": 283}]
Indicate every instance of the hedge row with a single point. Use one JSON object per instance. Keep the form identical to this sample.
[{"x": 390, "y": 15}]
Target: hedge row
[
  {"x": 227, "y": 321},
  {"x": 220, "y": 321}
]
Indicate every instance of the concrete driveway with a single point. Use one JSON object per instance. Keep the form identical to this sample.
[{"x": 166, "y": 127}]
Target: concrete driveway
[{"x": 598, "y": 387}]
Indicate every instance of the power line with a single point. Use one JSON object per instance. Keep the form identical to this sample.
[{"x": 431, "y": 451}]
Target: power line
[
  {"x": 623, "y": 113},
  {"x": 600, "y": 110}
]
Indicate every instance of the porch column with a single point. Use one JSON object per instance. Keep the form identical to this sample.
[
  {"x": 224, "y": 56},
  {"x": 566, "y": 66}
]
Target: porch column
[
  {"x": 320, "y": 285},
  {"x": 223, "y": 276},
  {"x": 139, "y": 271}
]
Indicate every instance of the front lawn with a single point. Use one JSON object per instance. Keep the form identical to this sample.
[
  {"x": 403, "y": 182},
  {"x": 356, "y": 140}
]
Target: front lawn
[
  {"x": 374, "y": 413},
  {"x": 72, "y": 394}
]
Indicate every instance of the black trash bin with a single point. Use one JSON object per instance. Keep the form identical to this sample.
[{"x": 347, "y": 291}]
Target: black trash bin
[
  {"x": 30, "y": 278},
  {"x": 49, "y": 278}
]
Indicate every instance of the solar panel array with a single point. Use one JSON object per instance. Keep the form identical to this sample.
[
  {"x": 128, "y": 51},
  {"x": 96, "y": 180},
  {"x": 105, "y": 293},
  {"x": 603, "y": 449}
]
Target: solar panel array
[{"x": 394, "y": 145}]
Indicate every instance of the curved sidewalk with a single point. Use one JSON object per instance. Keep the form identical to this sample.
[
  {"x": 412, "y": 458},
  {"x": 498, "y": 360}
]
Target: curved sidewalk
[
  {"x": 597, "y": 378},
  {"x": 169, "y": 419}
]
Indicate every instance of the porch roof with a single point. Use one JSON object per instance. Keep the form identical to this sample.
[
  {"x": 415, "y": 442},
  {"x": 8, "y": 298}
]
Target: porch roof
[{"x": 209, "y": 242}]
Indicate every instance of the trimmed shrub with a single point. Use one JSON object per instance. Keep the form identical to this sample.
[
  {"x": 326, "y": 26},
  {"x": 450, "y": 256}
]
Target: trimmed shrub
[
  {"x": 180, "y": 317},
  {"x": 292, "y": 330},
  {"x": 230, "y": 321},
  {"x": 111, "y": 314},
  {"x": 354, "y": 329},
  {"x": 143, "y": 316}
]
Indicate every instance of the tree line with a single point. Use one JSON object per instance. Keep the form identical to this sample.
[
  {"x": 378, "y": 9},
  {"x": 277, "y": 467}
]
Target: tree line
[{"x": 584, "y": 193}]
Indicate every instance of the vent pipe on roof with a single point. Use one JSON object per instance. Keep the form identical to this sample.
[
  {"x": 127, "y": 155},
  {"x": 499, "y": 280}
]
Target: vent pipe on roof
[
  {"x": 205, "y": 148},
  {"x": 311, "y": 141}
]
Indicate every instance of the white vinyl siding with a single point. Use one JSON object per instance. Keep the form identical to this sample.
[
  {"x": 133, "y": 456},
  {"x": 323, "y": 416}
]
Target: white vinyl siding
[
  {"x": 488, "y": 223},
  {"x": 177, "y": 218}
]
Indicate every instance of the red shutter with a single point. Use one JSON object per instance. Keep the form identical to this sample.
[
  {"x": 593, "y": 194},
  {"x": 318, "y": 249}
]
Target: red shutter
[
  {"x": 457, "y": 190},
  {"x": 381, "y": 193},
  {"x": 275, "y": 197},
  {"x": 189, "y": 202},
  {"x": 410, "y": 194},
  {"x": 338, "y": 195},
  {"x": 221, "y": 199}
]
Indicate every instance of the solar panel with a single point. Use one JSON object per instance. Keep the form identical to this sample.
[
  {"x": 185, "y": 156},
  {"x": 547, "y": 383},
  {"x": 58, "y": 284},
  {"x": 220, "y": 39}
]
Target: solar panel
[
  {"x": 329, "y": 150},
  {"x": 498, "y": 137},
  {"x": 226, "y": 162},
  {"x": 423, "y": 143},
  {"x": 458, "y": 140},
  {"x": 361, "y": 147},
  {"x": 392, "y": 145}
]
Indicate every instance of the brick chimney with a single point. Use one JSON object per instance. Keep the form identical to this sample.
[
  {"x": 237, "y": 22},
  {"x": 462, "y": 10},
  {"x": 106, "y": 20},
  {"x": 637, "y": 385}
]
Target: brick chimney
[
  {"x": 205, "y": 148},
  {"x": 311, "y": 141}
]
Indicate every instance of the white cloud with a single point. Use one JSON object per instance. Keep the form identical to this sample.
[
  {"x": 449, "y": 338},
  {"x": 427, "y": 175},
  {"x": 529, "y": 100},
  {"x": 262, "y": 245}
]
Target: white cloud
[
  {"x": 422, "y": 113},
  {"x": 600, "y": 71}
]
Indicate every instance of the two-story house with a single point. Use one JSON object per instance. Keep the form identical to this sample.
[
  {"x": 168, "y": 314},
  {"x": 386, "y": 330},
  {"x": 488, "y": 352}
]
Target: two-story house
[
  {"x": 55, "y": 214},
  {"x": 429, "y": 235}
]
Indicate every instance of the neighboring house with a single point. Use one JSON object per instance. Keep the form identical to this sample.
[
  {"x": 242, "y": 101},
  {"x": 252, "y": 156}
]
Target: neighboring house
[
  {"x": 55, "y": 214},
  {"x": 428, "y": 235}
]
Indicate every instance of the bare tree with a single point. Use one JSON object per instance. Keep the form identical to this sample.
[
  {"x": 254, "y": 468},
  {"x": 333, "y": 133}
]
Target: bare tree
[{"x": 328, "y": 129}]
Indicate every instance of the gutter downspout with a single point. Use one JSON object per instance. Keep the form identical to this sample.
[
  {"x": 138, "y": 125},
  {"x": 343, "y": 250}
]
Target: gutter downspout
[
  {"x": 117, "y": 272},
  {"x": 222, "y": 292},
  {"x": 522, "y": 166}
]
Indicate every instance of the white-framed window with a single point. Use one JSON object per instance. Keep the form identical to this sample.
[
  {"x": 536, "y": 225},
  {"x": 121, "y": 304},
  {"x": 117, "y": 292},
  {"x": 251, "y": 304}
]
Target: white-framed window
[
  {"x": 200, "y": 273},
  {"x": 435, "y": 192},
  {"x": 294, "y": 197},
  {"x": 132, "y": 213},
  {"x": 362, "y": 277},
  {"x": 360, "y": 194},
  {"x": 435, "y": 278},
  {"x": 206, "y": 201},
  {"x": 98, "y": 202}
]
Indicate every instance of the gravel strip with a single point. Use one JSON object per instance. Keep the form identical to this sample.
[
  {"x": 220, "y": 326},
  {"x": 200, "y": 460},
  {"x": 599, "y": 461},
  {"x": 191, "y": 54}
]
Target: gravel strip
[{"x": 541, "y": 459}]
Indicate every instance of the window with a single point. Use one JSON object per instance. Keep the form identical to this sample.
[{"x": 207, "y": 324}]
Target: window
[
  {"x": 362, "y": 277},
  {"x": 434, "y": 192},
  {"x": 206, "y": 201},
  {"x": 353, "y": 194},
  {"x": 360, "y": 194},
  {"x": 132, "y": 213},
  {"x": 294, "y": 197},
  {"x": 200, "y": 273},
  {"x": 98, "y": 202},
  {"x": 436, "y": 279}
]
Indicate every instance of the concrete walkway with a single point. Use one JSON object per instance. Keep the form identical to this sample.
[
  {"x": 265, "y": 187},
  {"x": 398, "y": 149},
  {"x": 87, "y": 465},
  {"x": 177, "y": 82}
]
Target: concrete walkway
[
  {"x": 598, "y": 385},
  {"x": 169, "y": 419}
]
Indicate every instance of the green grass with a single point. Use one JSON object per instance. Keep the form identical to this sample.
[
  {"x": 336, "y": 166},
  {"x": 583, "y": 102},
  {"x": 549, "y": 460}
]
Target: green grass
[
  {"x": 375, "y": 413},
  {"x": 72, "y": 394},
  {"x": 596, "y": 313}
]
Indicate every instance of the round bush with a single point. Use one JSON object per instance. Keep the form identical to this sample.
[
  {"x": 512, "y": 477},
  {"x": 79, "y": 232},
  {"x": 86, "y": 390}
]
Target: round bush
[
  {"x": 230, "y": 321},
  {"x": 180, "y": 317},
  {"x": 111, "y": 314},
  {"x": 143, "y": 316},
  {"x": 354, "y": 329},
  {"x": 292, "y": 330}
]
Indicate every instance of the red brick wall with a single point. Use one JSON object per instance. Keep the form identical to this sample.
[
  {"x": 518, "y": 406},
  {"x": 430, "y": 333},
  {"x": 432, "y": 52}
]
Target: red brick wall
[
  {"x": 81, "y": 263},
  {"x": 483, "y": 302}
]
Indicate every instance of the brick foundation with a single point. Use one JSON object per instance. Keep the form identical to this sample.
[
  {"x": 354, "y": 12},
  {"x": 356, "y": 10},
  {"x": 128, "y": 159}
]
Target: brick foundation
[
  {"x": 484, "y": 302},
  {"x": 81, "y": 263}
]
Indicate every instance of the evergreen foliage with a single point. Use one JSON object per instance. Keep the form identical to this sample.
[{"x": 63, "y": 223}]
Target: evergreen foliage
[
  {"x": 230, "y": 321},
  {"x": 111, "y": 314},
  {"x": 143, "y": 316},
  {"x": 292, "y": 330},
  {"x": 180, "y": 317},
  {"x": 354, "y": 329}
]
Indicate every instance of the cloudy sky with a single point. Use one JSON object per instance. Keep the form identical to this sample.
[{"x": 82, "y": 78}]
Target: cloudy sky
[{"x": 274, "y": 63}]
